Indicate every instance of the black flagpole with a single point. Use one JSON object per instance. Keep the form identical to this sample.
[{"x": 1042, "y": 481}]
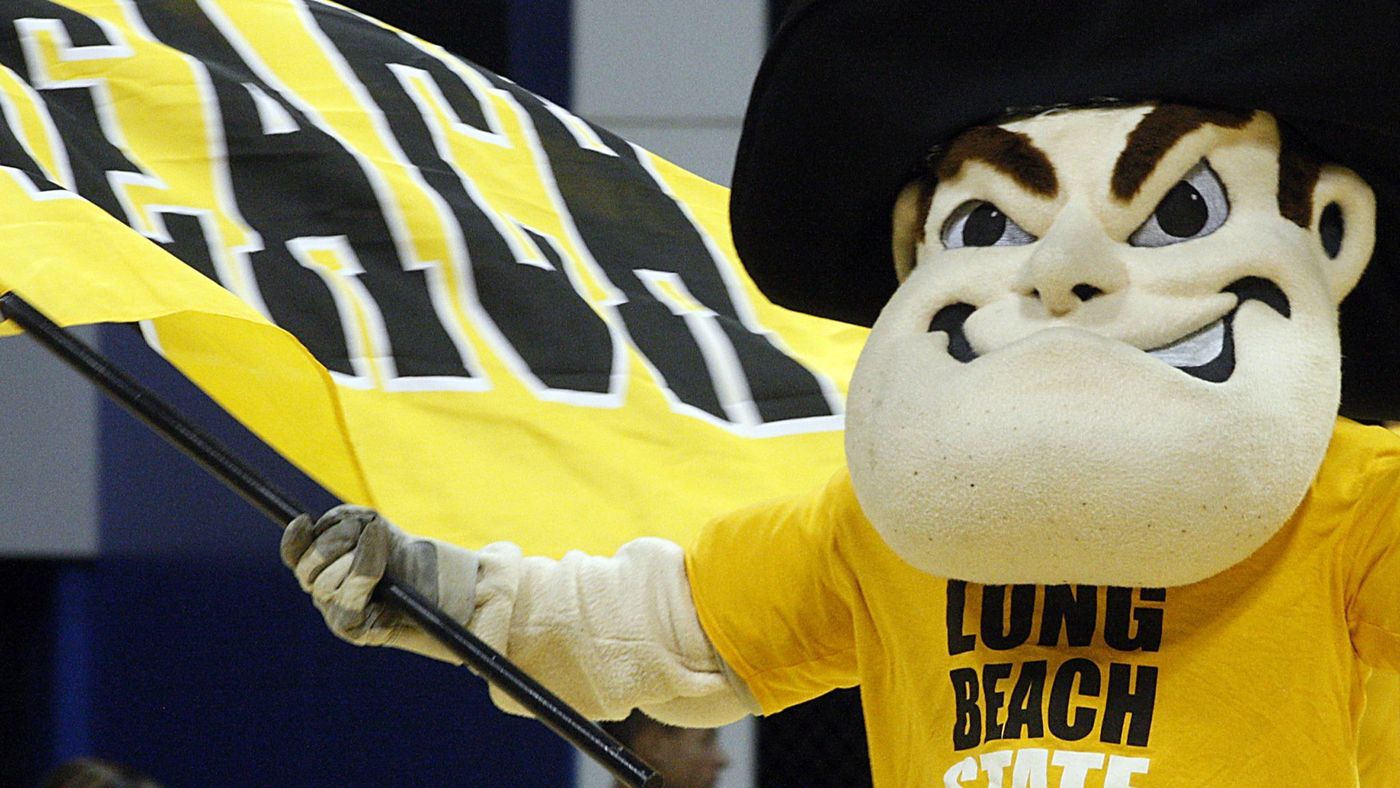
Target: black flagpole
[{"x": 219, "y": 461}]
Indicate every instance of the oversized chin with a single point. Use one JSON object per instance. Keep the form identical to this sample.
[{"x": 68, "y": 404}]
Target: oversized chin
[{"x": 1070, "y": 458}]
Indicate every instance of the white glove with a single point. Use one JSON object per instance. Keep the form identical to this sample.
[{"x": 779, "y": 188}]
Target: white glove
[
  {"x": 605, "y": 634},
  {"x": 341, "y": 557}
]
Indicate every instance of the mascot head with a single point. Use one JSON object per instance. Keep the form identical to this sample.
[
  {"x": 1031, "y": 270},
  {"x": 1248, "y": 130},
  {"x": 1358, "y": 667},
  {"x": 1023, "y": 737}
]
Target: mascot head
[{"x": 1107, "y": 348}]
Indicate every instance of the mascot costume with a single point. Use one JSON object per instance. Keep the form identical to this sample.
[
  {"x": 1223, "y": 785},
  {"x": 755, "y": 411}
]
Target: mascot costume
[{"x": 1102, "y": 523}]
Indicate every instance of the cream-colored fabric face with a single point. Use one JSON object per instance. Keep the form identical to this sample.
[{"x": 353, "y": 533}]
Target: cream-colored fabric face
[{"x": 1007, "y": 422}]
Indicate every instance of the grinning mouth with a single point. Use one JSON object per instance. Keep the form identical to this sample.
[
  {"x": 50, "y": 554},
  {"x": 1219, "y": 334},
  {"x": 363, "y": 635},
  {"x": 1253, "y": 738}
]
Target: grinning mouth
[{"x": 1207, "y": 353}]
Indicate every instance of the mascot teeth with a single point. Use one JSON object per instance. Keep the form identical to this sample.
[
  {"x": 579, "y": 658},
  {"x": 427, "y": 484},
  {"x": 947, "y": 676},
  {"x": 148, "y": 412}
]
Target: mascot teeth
[{"x": 1195, "y": 349}]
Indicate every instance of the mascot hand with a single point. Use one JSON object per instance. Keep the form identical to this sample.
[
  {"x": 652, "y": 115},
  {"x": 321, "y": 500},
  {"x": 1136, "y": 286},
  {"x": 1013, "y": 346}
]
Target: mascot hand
[{"x": 340, "y": 558}]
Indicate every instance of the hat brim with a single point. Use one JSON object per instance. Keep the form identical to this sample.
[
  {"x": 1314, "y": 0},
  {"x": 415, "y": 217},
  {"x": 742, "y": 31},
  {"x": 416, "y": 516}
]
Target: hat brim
[{"x": 853, "y": 93}]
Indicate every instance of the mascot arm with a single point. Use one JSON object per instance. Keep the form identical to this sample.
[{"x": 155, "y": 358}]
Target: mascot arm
[{"x": 605, "y": 634}]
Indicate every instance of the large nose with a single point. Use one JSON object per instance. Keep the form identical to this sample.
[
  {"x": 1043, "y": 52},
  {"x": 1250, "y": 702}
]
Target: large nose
[{"x": 1074, "y": 262}]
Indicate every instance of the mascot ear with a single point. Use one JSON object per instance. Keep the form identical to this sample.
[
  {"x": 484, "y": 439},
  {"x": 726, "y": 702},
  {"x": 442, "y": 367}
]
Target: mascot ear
[
  {"x": 910, "y": 213},
  {"x": 1343, "y": 227}
]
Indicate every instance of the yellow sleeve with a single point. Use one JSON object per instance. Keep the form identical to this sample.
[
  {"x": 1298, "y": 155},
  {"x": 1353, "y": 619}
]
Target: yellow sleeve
[
  {"x": 774, "y": 594},
  {"x": 1373, "y": 557}
]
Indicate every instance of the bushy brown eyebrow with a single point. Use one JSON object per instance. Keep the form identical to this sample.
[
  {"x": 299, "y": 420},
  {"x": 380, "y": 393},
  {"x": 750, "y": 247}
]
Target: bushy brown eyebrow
[
  {"x": 1156, "y": 133},
  {"x": 1009, "y": 152}
]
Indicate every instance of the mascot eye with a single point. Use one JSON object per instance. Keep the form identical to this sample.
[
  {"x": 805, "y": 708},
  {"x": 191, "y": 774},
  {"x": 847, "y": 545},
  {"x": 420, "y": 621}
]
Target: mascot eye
[
  {"x": 979, "y": 223},
  {"x": 1196, "y": 206}
]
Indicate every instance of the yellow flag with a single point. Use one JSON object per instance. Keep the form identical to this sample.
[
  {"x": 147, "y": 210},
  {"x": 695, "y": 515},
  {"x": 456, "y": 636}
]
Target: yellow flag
[{"x": 435, "y": 292}]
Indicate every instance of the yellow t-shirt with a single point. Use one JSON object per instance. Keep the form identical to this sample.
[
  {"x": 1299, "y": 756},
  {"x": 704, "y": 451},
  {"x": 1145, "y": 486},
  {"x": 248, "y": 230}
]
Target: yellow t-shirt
[
  {"x": 1378, "y": 743},
  {"x": 1252, "y": 677}
]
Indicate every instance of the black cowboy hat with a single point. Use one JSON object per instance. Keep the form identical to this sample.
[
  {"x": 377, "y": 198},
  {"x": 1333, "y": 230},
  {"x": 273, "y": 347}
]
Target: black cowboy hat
[{"x": 853, "y": 93}]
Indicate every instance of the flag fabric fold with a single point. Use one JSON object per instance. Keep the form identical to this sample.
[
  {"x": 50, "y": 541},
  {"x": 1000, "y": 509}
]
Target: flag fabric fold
[{"x": 435, "y": 292}]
